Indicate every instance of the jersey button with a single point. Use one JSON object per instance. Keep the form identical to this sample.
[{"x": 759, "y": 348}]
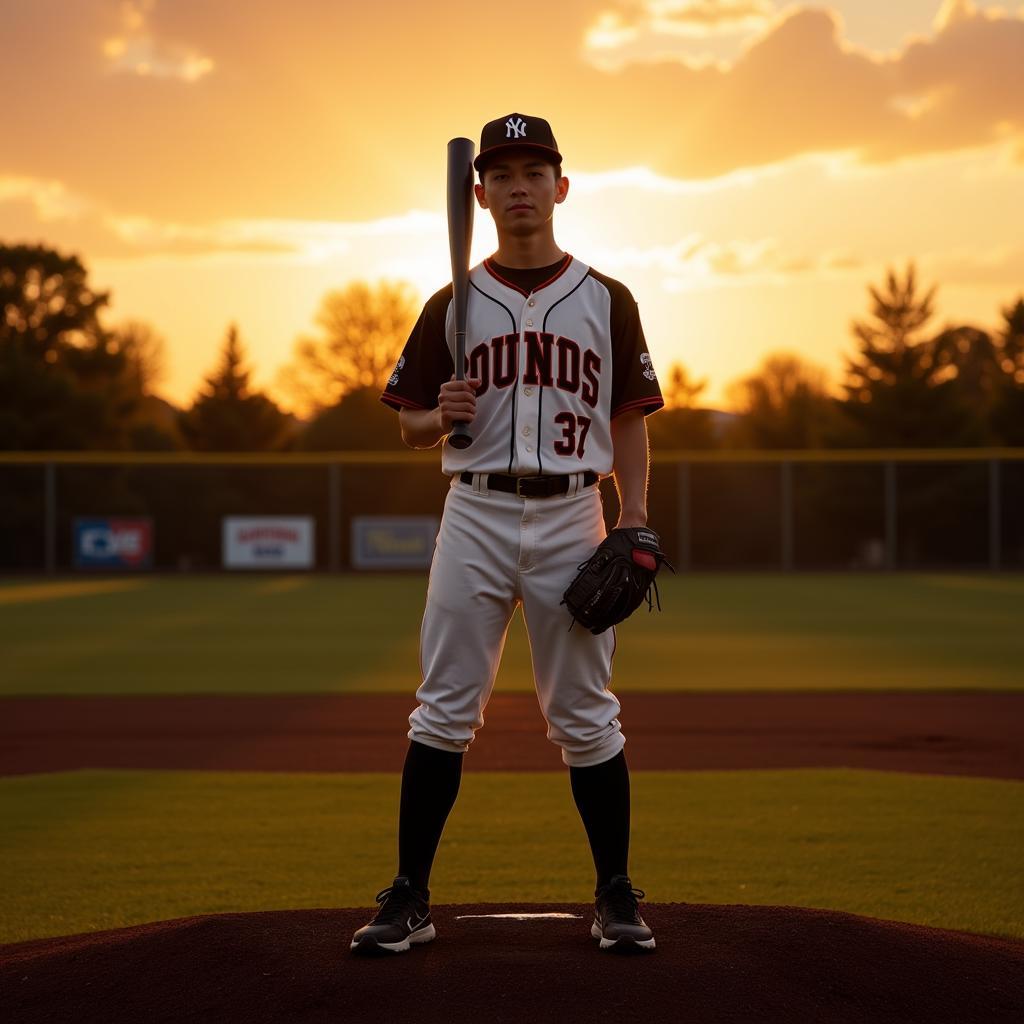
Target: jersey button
[
  {"x": 529, "y": 323},
  {"x": 531, "y": 303},
  {"x": 527, "y": 431},
  {"x": 527, "y": 392},
  {"x": 529, "y": 447}
]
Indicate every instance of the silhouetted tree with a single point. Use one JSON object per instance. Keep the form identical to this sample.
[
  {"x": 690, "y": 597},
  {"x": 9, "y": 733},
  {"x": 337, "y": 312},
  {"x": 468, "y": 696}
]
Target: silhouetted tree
[
  {"x": 681, "y": 424},
  {"x": 968, "y": 358},
  {"x": 153, "y": 425},
  {"x": 897, "y": 394},
  {"x": 360, "y": 421},
  {"x": 784, "y": 404},
  {"x": 1008, "y": 406},
  {"x": 228, "y": 415},
  {"x": 364, "y": 330},
  {"x": 64, "y": 380}
]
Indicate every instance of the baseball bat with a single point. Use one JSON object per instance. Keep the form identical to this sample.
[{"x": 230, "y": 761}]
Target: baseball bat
[{"x": 460, "y": 235}]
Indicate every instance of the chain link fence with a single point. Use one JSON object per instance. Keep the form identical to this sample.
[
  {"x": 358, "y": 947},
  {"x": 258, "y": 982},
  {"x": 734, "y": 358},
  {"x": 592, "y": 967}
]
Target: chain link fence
[{"x": 822, "y": 510}]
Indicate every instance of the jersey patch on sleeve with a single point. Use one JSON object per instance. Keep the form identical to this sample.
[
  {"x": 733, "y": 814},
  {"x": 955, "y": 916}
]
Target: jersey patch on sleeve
[{"x": 393, "y": 379}]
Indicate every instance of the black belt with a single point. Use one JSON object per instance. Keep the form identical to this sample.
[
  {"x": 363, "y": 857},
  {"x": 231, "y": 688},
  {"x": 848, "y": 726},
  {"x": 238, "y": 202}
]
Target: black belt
[{"x": 531, "y": 486}]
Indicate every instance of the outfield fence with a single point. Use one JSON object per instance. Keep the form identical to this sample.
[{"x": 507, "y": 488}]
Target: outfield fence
[{"x": 741, "y": 510}]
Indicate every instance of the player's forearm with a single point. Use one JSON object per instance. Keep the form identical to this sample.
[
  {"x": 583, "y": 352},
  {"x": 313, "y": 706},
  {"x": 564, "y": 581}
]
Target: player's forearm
[
  {"x": 630, "y": 467},
  {"x": 421, "y": 428}
]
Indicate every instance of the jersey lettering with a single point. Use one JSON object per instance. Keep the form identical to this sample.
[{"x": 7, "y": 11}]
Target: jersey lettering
[
  {"x": 505, "y": 350},
  {"x": 479, "y": 366},
  {"x": 538, "y": 358},
  {"x": 591, "y": 371},
  {"x": 568, "y": 365},
  {"x": 546, "y": 356}
]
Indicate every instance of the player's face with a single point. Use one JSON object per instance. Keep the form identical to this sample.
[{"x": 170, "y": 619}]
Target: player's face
[{"x": 521, "y": 193}]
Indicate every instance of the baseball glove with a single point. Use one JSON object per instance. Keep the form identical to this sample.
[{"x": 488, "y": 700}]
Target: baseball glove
[{"x": 616, "y": 579}]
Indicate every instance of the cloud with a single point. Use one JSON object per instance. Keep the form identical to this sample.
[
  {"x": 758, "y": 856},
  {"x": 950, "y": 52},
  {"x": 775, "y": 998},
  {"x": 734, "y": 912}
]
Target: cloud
[
  {"x": 699, "y": 261},
  {"x": 953, "y": 11},
  {"x": 309, "y": 112},
  {"x": 135, "y": 50},
  {"x": 32, "y": 209},
  {"x": 969, "y": 266},
  {"x": 667, "y": 29},
  {"x": 799, "y": 88}
]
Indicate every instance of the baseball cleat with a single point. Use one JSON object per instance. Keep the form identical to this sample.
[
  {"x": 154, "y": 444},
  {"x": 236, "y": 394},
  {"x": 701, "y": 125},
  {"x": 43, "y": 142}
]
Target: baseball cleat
[
  {"x": 402, "y": 921},
  {"x": 617, "y": 920}
]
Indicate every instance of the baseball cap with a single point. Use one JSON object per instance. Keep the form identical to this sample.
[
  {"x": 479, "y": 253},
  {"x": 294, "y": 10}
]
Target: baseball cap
[{"x": 515, "y": 133}]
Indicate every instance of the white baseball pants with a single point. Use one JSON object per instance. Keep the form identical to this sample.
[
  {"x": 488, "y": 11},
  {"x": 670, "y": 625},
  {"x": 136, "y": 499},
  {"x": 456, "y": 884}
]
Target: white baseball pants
[{"x": 496, "y": 551}]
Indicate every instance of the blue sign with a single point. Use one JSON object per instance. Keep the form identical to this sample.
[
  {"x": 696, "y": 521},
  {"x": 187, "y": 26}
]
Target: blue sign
[{"x": 113, "y": 543}]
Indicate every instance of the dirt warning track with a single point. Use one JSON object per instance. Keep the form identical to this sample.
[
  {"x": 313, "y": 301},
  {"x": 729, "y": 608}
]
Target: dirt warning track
[{"x": 941, "y": 733}]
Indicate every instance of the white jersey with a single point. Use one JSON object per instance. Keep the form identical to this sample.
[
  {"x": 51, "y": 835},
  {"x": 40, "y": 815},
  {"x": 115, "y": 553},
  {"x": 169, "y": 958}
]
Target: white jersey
[{"x": 557, "y": 359}]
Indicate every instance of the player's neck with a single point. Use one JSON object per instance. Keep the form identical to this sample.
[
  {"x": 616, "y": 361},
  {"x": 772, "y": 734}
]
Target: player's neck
[{"x": 526, "y": 252}]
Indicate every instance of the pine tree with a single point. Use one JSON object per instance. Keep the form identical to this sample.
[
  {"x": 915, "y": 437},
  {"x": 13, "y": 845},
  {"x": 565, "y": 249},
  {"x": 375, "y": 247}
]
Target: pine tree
[
  {"x": 227, "y": 415},
  {"x": 897, "y": 393}
]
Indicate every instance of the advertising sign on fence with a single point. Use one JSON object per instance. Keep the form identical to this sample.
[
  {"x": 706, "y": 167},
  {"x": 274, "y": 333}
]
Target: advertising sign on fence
[
  {"x": 393, "y": 542},
  {"x": 268, "y": 542},
  {"x": 113, "y": 543}
]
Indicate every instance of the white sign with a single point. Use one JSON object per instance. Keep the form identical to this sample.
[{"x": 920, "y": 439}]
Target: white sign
[{"x": 268, "y": 542}]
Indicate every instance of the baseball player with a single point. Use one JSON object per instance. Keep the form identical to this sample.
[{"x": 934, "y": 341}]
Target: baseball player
[{"x": 558, "y": 382}]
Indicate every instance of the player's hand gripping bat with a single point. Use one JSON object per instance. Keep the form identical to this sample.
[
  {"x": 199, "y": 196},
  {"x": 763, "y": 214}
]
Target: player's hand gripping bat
[{"x": 460, "y": 235}]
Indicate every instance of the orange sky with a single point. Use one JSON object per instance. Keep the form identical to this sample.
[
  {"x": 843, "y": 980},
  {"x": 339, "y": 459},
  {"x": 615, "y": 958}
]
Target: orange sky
[{"x": 745, "y": 167}]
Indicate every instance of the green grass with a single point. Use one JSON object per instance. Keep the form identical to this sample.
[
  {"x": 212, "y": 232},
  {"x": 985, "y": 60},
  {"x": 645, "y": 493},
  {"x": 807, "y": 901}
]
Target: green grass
[
  {"x": 92, "y": 850},
  {"x": 244, "y": 634}
]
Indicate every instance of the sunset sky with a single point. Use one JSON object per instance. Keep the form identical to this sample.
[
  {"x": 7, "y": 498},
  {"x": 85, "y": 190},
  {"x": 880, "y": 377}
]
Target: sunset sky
[{"x": 746, "y": 167}]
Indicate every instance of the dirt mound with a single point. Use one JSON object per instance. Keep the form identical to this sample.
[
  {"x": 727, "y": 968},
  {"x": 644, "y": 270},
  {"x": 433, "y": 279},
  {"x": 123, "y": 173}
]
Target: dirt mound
[{"x": 713, "y": 964}]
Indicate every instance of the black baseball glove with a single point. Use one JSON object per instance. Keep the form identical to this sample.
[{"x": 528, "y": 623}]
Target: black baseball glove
[{"x": 616, "y": 579}]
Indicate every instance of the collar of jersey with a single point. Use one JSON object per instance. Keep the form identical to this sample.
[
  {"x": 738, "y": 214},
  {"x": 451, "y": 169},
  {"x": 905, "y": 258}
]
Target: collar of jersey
[{"x": 566, "y": 263}]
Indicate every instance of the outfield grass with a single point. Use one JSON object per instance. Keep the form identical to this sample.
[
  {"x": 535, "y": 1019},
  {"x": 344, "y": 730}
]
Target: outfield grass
[
  {"x": 91, "y": 850},
  {"x": 315, "y": 634}
]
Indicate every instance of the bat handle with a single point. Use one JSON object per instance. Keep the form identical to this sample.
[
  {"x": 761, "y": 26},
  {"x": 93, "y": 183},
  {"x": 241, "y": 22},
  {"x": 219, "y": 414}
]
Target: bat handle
[{"x": 460, "y": 437}]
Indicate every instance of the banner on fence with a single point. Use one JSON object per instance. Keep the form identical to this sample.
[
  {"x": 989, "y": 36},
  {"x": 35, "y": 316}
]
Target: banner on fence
[
  {"x": 102, "y": 543},
  {"x": 268, "y": 542},
  {"x": 393, "y": 542}
]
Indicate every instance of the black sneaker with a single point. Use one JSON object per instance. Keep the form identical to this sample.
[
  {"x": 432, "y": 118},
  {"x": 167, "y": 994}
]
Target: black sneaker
[
  {"x": 403, "y": 919},
  {"x": 617, "y": 920}
]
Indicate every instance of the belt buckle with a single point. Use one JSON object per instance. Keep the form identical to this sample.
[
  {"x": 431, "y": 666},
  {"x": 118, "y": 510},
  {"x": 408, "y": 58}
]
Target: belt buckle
[{"x": 520, "y": 480}]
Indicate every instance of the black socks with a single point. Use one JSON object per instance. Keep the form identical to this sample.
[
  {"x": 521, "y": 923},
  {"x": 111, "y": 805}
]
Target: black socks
[
  {"x": 430, "y": 784},
  {"x": 601, "y": 792}
]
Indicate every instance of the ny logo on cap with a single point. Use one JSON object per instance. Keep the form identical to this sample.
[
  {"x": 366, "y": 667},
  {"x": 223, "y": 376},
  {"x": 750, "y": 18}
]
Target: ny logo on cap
[{"x": 515, "y": 129}]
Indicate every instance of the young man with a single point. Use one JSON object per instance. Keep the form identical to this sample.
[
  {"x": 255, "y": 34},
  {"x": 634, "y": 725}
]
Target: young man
[{"x": 558, "y": 384}]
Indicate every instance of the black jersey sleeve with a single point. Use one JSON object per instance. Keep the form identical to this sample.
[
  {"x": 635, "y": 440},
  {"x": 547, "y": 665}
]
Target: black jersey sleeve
[
  {"x": 426, "y": 361},
  {"x": 634, "y": 382}
]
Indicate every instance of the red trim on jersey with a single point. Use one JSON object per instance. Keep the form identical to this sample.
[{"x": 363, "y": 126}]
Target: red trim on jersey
[
  {"x": 651, "y": 404},
  {"x": 489, "y": 267},
  {"x": 558, "y": 273},
  {"x": 398, "y": 402}
]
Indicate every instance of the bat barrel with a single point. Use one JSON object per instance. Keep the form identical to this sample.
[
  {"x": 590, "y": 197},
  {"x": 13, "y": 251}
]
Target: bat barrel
[{"x": 460, "y": 234}]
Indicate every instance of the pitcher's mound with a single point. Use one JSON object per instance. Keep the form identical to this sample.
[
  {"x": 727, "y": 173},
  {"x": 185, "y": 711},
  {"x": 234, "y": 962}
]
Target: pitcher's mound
[{"x": 713, "y": 963}]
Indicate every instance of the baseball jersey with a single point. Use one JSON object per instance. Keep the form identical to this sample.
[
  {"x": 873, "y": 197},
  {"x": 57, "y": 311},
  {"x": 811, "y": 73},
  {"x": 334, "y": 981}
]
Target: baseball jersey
[{"x": 557, "y": 358}]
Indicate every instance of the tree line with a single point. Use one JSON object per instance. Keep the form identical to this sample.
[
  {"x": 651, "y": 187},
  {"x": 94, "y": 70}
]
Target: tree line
[{"x": 69, "y": 382}]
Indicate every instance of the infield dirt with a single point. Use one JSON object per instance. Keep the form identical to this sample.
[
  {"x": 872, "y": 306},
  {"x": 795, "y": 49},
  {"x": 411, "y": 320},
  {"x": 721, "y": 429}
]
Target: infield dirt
[{"x": 975, "y": 733}]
